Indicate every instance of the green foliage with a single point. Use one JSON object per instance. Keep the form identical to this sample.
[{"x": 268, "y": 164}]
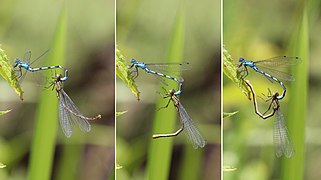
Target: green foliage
[
  {"x": 120, "y": 113},
  {"x": 4, "y": 112},
  {"x": 2, "y": 165},
  {"x": 229, "y": 168},
  {"x": 226, "y": 115},
  {"x": 7, "y": 72},
  {"x": 231, "y": 71},
  {"x": 123, "y": 73}
]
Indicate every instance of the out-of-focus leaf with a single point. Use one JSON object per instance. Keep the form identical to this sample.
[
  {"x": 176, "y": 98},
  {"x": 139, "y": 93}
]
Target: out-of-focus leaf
[
  {"x": 2, "y": 165},
  {"x": 118, "y": 166},
  {"x": 4, "y": 112},
  {"x": 226, "y": 115},
  {"x": 120, "y": 113},
  {"x": 229, "y": 168}
]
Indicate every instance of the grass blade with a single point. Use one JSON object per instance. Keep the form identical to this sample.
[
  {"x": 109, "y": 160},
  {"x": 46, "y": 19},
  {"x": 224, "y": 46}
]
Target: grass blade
[
  {"x": 293, "y": 168},
  {"x": 160, "y": 150},
  {"x": 43, "y": 145}
]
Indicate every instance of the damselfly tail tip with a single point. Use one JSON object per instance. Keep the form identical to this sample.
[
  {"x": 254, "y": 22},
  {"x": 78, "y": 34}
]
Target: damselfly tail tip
[{"x": 155, "y": 136}]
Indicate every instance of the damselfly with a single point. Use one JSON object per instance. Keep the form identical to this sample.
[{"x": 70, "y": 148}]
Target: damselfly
[
  {"x": 274, "y": 103},
  {"x": 25, "y": 64},
  {"x": 159, "y": 69},
  {"x": 282, "y": 141},
  {"x": 68, "y": 112},
  {"x": 265, "y": 67},
  {"x": 191, "y": 130}
]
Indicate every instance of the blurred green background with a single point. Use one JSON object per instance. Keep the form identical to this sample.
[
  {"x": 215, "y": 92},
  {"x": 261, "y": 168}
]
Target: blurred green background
[
  {"x": 147, "y": 31},
  {"x": 89, "y": 56},
  {"x": 257, "y": 30}
]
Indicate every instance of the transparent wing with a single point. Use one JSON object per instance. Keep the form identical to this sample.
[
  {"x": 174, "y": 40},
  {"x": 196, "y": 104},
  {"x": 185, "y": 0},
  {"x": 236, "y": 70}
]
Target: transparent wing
[
  {"x": 64, "y": 117},
  {"x": 22, "y": 77},
  {"x": 279, "y": 61},
  {"x": 276, "y": 73},
  {"x": 282, "y": 142},
  {"x": 170, "y": 66},
  {"x": 73, "y": 112},
  {"x": 173, "y": 69},
  {"x": 39, "y": 56},
  {"x": 190, "y": 129},
  {"x": 27, "y": 56}
]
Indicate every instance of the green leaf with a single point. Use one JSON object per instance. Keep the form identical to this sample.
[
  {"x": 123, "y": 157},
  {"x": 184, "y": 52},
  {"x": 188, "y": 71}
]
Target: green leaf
[
  {"x": 294, "y": 168},
  {"x": 229, "y": 168},
  {"x": 4, "y": 112},
  {"x": 120, "y": 113},
  {"x": 118, "y": 166},
  {"x": 226, "y": 115},
  {"x": 7, "y": 72},
  {"x": 231, "y": 71},
  {"x": 123, "y": 73},
  {"x": 2, "y": 165}
]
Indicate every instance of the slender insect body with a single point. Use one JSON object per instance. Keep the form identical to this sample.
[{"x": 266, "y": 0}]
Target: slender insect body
[
  {"x": 273, "y": 78},
  {"x": 25, "y": 64},
  {"x": 28, "y": 68},
  {"x": 69, "y": 114},
  {"x": 144, "y": 66},
  {"x": 187, "y": 123},
  {"x": 252, "y": 65}
]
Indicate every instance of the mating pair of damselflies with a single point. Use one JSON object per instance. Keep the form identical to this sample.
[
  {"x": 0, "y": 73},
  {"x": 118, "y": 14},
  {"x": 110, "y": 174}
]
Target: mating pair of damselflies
[
  {"x": 268, "y": 68},
  {"x": 282, "y": 142},
  {"x": 68, "y": 112},
  {"x": 188, "y": 125}
]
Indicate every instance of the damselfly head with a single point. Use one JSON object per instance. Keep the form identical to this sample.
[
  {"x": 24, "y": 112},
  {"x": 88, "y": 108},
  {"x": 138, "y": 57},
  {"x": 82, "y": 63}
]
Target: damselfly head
[
  {"x": 133, "y": 61},
  {"x": 16, "y": 61},
  {"x": 275, "y": 95},
  {"x": 241, "y": 60},
  {"x": 171, "y": 92},
  {"x": 58, "y": 77}
]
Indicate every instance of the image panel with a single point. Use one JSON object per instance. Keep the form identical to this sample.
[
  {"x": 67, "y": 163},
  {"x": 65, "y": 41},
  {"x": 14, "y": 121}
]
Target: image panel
[
  {"x": 168, "y": 76},
  {"x": 265, "y": 89},
  {"x": 58, "y": 71}
]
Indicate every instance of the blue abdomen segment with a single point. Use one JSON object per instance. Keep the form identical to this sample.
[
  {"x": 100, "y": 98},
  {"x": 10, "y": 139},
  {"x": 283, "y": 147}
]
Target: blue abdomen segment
[
  {"x": 26, "y": 66},
  {"x": 145, "y": 67},
  {"x": 274, "y": 62}
]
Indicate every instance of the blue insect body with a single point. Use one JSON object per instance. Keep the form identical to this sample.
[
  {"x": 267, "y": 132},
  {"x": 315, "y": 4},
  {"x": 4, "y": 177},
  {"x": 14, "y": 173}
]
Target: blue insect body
[
  {"x": 25, "y": 64},
  {"x": 145, "y": 67},
  {"x": 264, "y": 67}
]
